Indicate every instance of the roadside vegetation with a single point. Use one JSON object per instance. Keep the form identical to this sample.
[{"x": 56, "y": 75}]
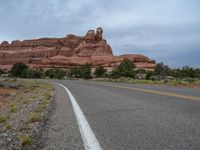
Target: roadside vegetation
[
  {"x": 162, "y": 74},
  {"x": 124, "y": 72},
  {"x": 83, "y": 71},
  {"x": 125, "y": 69},
  {"x": 24, "y": 105},
  {"x": 100, "y": 72}
]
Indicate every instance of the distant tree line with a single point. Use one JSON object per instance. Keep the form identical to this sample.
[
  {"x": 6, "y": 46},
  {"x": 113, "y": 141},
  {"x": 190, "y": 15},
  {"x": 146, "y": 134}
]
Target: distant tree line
[
  {"x": 23, "y": 71},
  {"x": 125, "y": 69},
  {"x": 163, "y": 71}
]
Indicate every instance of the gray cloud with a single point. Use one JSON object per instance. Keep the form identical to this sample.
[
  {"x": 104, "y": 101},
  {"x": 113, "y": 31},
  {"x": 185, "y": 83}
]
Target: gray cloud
[{"x": 167, "y": 31}]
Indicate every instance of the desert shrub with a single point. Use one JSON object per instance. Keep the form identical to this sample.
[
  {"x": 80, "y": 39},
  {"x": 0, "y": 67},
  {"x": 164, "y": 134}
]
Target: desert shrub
[
  {"x": 13, "y": 109},
  {"x": 83, "y": 71},
  {"x": 149, "y": 74},
  {"x": 190, "y": 80},
  {"x": 125, "y": 69},
  {"x": 55, "y": 73},
  {"x": 100, "y": 72},
  {"x": 114, "y": 74},
  {"x": 30, "y": 73},
  {"x": 75, "y": 72},
  {"x": 86, "y": 71},
  {"x": 25, "y": 139},
  {"x": 2, "y": 118},
  {"x": 162, "y": 70},
  {"x": 35, "y": 117},
  {"x": 8, "y": 126},
  {"x": 185, "y": 72},
  {"x": 17, "y": 69}
]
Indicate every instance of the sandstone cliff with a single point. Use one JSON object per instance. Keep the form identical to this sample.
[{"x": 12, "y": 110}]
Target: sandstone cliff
[{"x": 67, "y": 52}]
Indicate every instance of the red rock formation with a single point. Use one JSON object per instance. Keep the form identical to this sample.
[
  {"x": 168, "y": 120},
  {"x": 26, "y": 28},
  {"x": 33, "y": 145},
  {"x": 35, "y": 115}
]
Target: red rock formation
[
  {"x": 99, "y": 34},
  {"x": 67, "y": 52}
]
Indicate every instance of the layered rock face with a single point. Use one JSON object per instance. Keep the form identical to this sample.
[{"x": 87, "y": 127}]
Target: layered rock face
[{"x": 67, "y": 52}]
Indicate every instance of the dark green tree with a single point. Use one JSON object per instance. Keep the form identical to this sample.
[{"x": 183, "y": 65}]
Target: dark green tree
[
  {"x": 100, "y": 71},
  {"x": 149, "y": 74},
  {"x": 30, "y": 73},
  {"x": 162, "y": 70},
  {"x": 83, "y": 71},
  {"x": 74, "y": 72},
  {"x": 114, "y": 74},
  {"x": 17, "y": 69},
  {"x": 55, "y": 73},
  {"x": 86, "y": 71},
  {"x": 125, "y": 69}
]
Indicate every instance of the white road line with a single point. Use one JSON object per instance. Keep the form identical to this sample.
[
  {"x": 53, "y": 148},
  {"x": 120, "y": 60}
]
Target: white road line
[{"x": 89, "y": 139}]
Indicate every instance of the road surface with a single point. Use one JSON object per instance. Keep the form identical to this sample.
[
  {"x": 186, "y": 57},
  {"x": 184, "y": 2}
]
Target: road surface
[{"x": 126, "y": 116}]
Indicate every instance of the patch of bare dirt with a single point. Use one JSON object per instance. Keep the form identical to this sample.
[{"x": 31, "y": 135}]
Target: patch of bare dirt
[
  {"x": 5, "y": 94},
  {"x": 24, "y": 106}
]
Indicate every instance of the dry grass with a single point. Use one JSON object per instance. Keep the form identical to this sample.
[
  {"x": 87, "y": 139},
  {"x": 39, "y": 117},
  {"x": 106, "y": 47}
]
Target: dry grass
[
  {"x": 35, "y": 117},
  {"x": 8, "y": 126},
  {"x": 23, "y": 108},
  {"x": 26, "y": 102},
  {"x": 25, "y": 139},
  {"x": 3, "y": 118},
  {"x": 13, "y": 109}
]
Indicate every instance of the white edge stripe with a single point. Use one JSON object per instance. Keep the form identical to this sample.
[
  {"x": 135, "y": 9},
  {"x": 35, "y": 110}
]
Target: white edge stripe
[{"x": 89, "y": 139}]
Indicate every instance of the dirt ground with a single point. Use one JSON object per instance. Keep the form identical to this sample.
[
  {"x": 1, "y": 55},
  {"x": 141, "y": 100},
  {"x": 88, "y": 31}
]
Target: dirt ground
[
  {"x": 5, "y": 94},
  {"x": 24, "y": 106}
]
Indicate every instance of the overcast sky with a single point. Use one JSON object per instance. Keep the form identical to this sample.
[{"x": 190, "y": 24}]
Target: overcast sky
[{"x": 165, "y": 30}]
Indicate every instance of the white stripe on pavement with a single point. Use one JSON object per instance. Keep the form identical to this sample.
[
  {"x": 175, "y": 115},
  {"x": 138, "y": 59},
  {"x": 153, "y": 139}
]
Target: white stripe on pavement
[{"x": 89, "y": 139}]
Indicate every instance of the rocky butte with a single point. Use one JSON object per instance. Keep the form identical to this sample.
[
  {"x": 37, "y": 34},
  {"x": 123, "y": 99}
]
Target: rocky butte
[{"x": 67, "y": 52}]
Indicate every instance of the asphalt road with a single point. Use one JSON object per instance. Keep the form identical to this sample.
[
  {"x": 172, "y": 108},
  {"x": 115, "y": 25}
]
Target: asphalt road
[{"x": 133, "y": 117}]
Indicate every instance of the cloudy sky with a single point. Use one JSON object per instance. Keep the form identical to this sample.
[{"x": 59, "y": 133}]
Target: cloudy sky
[{"x": 165, "y": 30}]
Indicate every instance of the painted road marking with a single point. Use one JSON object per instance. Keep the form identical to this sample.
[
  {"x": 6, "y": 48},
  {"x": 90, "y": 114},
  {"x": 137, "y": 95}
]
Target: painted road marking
[
  {"x": 89, "y": 139},
  {"x": 159, "y": 93},
  {"x": 156, "y": 92}
]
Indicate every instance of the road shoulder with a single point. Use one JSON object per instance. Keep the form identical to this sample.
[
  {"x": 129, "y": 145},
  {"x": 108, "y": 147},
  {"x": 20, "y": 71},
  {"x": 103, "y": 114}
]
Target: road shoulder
[{"x": 61, "y": 131}]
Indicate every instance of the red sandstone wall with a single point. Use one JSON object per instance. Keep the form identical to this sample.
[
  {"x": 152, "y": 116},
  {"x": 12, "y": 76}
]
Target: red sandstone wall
[{"x": 66, "y": 52}]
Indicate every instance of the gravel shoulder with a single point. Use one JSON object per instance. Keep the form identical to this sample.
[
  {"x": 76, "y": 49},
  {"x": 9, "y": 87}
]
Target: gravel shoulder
[
  {"x": 61, "y": 131},
  {"x": 24, "y": 109}
]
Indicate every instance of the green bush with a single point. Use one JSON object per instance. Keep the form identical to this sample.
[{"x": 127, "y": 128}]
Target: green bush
[
  {"x": 18, "y": 69},
  {"x": 75, "y": 72},
  {"x": 3, "y": 118},
  {"x": 25, "y": 139},
  {"x": 100, "y": 72},
  {"x": 125, "y": 69},
  {"x": 55, "y": 73},
  {"x": 30, "y": 73},
  {"x": 86, "y": 71},
  {"x": 162, "y": 70},
  {"x": 114, "y": 74},
  {"x": 149, "y": 74},
  {"x": 185, "y": 72},
  {"x": 81, "y": 72}
]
